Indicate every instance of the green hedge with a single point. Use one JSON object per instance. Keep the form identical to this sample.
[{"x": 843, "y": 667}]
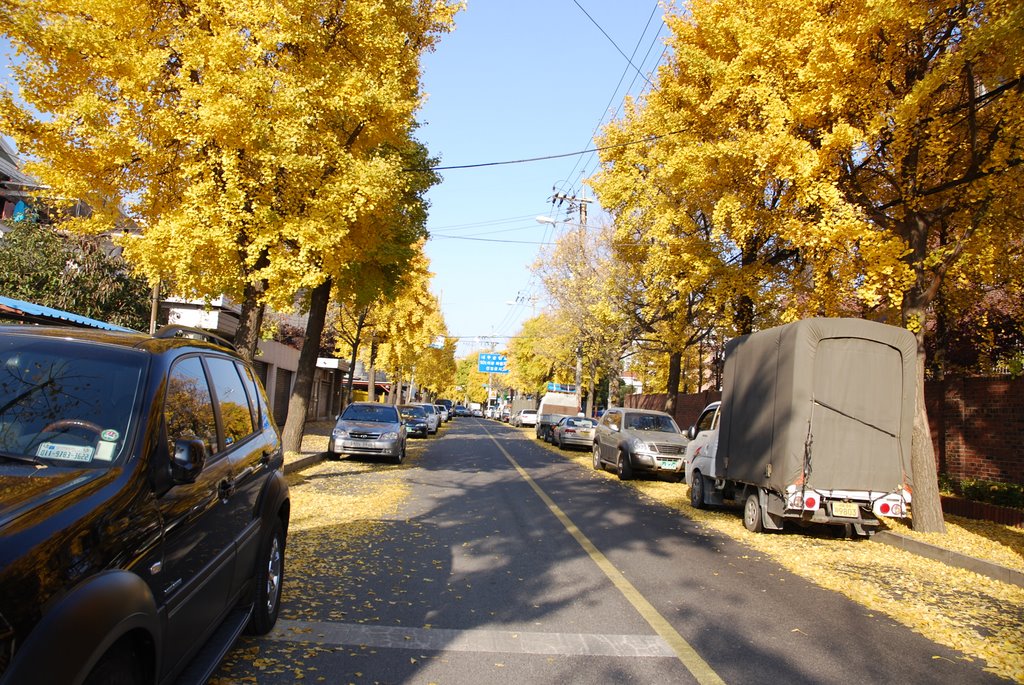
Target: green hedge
[{"x": 992, "y": 492}]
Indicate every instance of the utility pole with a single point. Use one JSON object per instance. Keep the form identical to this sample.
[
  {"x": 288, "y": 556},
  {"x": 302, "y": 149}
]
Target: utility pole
[{"x": 582, "y": 203}]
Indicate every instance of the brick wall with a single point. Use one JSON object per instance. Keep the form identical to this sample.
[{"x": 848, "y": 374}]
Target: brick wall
[
  {"x": 688, "y": 407},
  {"x": 978, "y": 427},
  {"x": 977, "y": 424}
]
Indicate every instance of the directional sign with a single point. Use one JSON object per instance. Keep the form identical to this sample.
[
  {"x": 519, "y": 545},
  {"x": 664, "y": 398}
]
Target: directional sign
[{"x": 492, "y": 363}]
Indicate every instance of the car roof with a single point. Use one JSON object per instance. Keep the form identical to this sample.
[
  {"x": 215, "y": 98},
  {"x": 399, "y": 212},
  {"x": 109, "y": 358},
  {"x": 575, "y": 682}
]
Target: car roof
[{"x": 139, "y": 341}]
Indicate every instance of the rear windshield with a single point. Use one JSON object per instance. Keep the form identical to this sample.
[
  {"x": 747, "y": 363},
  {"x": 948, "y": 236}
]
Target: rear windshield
[
  {"x": 380, "y": 413},
  {"x": 64, "y": 403}
]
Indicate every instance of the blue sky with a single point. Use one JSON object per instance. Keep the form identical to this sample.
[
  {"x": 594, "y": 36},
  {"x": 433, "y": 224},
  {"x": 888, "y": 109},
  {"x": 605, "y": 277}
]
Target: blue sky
[{"x": 519, "y": 80}]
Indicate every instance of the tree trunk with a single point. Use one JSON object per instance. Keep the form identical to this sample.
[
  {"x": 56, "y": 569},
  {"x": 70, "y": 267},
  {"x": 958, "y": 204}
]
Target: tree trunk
[
  {"x": 247, "y": 337},
  {"x": 295, "y": 424},
  {"x": 674, "y": 364},
  {"x": 593, "y": 390},
  {"x": 371, "y": 373},
  {"x": 355, "y": 353},
  {"x": 926, "y": 505}
]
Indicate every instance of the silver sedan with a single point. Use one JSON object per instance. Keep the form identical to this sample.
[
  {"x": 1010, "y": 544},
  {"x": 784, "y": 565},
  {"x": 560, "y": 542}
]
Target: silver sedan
[
  {"x": 574, "y": 431},
  {"x": 369, "y": 428}
]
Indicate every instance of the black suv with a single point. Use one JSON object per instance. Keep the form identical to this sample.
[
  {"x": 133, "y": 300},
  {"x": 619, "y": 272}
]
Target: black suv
[{"x": 143, "y": 511}]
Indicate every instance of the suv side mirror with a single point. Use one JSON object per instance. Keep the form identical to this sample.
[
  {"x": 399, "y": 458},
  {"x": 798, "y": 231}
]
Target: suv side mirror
[
  {"x": 691, "y": 432},
  {"x": 188, "y": 460},
  {"x": 614, "y": 427}
]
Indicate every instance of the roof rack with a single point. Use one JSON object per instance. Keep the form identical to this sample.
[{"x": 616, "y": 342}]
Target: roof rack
[{"x": 176, "y": 331}]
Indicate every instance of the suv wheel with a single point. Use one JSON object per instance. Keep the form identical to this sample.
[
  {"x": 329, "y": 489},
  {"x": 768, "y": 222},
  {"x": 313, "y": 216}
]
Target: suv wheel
[
  {"x": 119, "y": 666},
  {"x": 597, "y": 459},
  {"x": 269, "y": 577},
  {"x": 623, "y": 468}
]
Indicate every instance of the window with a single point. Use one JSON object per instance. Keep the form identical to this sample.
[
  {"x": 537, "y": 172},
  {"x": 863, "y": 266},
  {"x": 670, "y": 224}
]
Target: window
[
  {"x": 257, "y": 398},
  {"x": 188, "y": 409},
  {"x": 381, "y": 413},
  {"x": 66, "y": 402},
  {"x": 708, "y": 420},
  {"x": 235, "y": 412}
]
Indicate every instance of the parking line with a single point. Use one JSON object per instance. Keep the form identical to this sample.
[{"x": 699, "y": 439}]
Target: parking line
[{"x": 700, "y": 669}]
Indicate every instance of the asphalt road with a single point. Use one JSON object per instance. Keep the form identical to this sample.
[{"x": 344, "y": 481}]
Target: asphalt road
[{"x": 508, "y": 564}]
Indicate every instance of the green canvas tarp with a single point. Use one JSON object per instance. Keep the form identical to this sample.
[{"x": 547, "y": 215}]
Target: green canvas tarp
[{"x": 828, "y": 403}]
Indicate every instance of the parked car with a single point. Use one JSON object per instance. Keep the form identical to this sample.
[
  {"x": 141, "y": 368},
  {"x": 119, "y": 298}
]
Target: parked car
[
  {"x": 369, "y": 429},
  {"x": 634, "y": 440},
  {"x": 145, "y": 514},
  {"x": 479, "y": 413},
  {"x": 442, "y": 411},
  {"x": 461, "y": 410},
  {"x": 574, "y": 431},
  {"x": 433, "y": 417},
  {"x": 525, "y": 417},
  {"x": 553, "y": 406},
  {"x": 415, "y": 418},
  {"x": 506, "y": 415}
]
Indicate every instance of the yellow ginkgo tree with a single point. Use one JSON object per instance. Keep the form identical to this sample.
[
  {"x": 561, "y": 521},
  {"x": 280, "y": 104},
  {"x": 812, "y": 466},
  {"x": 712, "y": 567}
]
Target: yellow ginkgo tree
[
  {"x": 252, "y": 142},
  {"x": 875, "y": 145}
]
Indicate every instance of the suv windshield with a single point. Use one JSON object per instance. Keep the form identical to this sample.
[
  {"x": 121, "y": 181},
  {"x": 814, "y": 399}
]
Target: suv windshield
[
  {"x": 64, "y": 403},
  {"x": 651, "y": 422},
  {"x": 380, "y": 413}
]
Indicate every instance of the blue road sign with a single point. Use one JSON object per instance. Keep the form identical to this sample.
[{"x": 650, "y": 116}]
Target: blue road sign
[{"x": 492, "y": 363}]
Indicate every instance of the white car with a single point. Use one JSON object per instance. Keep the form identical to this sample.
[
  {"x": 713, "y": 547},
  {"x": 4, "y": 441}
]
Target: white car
[
  {"x": 525, "y": 417},
  {"x": 433, "y": 417}
]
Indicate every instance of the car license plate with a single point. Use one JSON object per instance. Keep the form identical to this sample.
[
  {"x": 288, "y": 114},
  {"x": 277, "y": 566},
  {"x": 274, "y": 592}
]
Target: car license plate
[
  {"x": 846, "y": 509},
  {"x": 668, "y": 463}
]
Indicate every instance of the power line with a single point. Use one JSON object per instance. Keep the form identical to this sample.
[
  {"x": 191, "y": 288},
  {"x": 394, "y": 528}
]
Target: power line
[
  {"x": 488, "y": 240},
  {"x": 648, "y": 139},
  {"x": 611, "y": 41},
  {"x": 604, "y": 112}
]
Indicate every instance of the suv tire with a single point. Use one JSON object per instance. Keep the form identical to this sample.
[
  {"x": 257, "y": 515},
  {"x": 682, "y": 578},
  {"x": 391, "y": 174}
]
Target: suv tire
[
  {"x": 269, "y": 574},
  {"x": 622, "y": 467}
]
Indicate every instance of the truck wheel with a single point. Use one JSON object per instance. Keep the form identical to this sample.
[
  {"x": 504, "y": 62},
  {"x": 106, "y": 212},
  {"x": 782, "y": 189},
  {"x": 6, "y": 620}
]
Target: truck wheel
[
  {"x": 752, "y": 513},
  {"x": 697, "y": 490},
  {"x": 623, "y": 468},
  {"x": 598, "y": 466},
  {"x": 269, "y": 578}
]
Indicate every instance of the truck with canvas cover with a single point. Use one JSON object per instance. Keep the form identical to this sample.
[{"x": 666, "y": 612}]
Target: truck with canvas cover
[
  {"x": 553, "y": 406},
  {"x": 814, "y": 426}
]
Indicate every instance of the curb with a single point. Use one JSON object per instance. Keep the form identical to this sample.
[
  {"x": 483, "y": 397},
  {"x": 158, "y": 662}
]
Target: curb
[
  {"x": 303, "y": 462},
  {"x": 985, "y": 568}
]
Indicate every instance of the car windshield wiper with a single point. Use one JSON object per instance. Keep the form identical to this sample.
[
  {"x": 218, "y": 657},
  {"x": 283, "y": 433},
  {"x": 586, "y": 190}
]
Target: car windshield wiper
[{"x": 27, "y": 458}]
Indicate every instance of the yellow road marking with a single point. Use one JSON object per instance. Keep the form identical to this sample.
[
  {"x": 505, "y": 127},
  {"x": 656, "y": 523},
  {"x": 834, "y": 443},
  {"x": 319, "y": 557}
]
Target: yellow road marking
[{"x": 684, "y": 652}]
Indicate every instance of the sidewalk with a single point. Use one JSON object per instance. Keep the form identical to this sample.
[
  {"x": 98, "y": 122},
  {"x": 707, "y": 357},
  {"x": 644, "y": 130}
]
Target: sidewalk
[
  {"x": 314, "y": 446},
  {"x": 951, "y": 558}
]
